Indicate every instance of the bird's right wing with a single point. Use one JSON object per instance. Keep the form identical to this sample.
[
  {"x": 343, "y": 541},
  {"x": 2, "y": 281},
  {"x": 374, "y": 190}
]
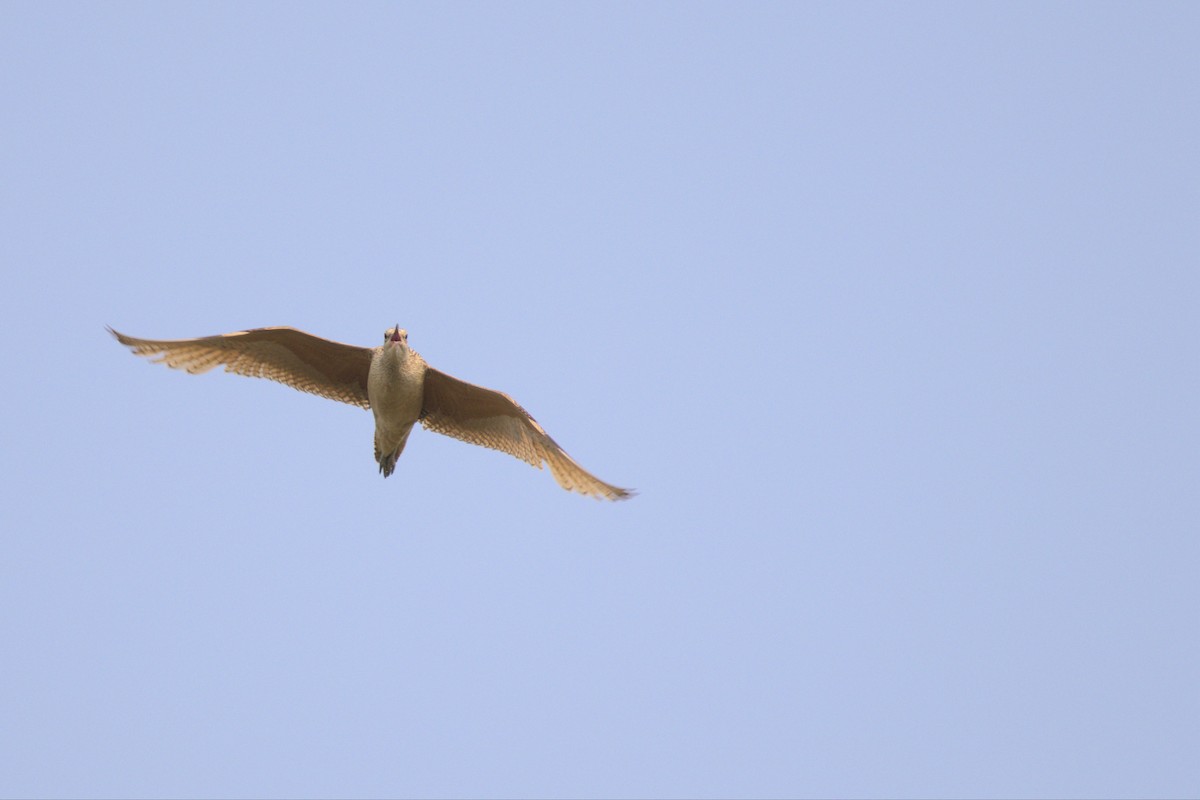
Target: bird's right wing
[
  {"x": 291, "y": 357},
  {"x": 493, "y": 419}
]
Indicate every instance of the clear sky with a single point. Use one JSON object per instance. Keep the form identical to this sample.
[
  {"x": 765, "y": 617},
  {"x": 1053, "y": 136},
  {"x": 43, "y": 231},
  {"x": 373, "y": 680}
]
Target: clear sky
[{"x": 889, "y": 311}]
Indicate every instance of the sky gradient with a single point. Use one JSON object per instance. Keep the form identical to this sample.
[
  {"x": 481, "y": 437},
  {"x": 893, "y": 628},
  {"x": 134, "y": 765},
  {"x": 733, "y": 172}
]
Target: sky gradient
[{"x": 889, "y": 312}]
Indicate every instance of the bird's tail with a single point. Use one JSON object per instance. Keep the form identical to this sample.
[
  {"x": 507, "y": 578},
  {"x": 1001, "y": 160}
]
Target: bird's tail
[{"x": 387, "y": 460}]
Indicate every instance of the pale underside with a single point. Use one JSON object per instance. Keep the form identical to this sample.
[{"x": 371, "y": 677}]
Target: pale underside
[{"x": 339, "y": 372}]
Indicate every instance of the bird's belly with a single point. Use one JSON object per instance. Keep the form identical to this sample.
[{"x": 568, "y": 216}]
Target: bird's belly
[{"x": 396, "y": 403}]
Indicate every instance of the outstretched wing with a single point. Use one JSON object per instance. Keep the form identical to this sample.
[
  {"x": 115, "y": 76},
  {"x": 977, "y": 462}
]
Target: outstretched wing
[
  {"x": 493, "y": 419},
  {"x": 291, "y": 357}
]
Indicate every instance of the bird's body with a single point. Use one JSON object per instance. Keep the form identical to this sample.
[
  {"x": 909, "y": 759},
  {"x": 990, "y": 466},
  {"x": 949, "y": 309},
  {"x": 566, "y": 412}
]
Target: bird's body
[
  {"x": 395, "y": 389},
  {"x": 393, "y": 381}
]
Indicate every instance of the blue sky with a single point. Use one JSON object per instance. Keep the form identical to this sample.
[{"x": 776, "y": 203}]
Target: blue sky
[{"x": 889, "y": 311}]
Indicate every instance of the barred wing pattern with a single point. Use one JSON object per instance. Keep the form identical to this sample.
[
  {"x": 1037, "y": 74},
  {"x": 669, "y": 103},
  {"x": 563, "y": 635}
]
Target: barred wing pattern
[
  {"x": 294, "y": 358},
  {"x": 492, "y": 419}
]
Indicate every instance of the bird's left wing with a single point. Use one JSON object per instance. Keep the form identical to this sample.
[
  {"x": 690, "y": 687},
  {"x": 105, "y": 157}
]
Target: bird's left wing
[
  {"x": 493, "y": 419},
  {"x": 291, "y": 357}
]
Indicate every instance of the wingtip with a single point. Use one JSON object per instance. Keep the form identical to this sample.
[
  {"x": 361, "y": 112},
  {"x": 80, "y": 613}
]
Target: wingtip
[
  {"x": 613, "y": 494},
  {"x": 120, "y": 337}
]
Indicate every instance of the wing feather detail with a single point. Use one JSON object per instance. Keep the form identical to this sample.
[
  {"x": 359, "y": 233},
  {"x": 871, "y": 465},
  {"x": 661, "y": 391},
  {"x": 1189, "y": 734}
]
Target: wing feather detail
[
  {"x": 285, "y": 355},
  {"x": 492, "y": 419}
]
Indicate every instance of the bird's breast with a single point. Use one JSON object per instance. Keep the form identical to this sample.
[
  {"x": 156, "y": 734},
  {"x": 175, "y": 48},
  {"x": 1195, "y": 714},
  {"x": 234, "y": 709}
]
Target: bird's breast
[{"x": 394, "y": 387}]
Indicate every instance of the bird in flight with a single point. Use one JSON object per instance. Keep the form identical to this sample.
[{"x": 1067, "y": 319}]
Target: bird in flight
[{"x": 393, "y": 381}]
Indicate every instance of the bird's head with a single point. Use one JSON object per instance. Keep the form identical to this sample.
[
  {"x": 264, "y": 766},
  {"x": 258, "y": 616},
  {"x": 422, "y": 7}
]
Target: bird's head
[{"x": 396, "y": 335}]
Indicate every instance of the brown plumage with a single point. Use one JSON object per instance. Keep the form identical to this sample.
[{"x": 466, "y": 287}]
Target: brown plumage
[{"x": 393, "y": 381}]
